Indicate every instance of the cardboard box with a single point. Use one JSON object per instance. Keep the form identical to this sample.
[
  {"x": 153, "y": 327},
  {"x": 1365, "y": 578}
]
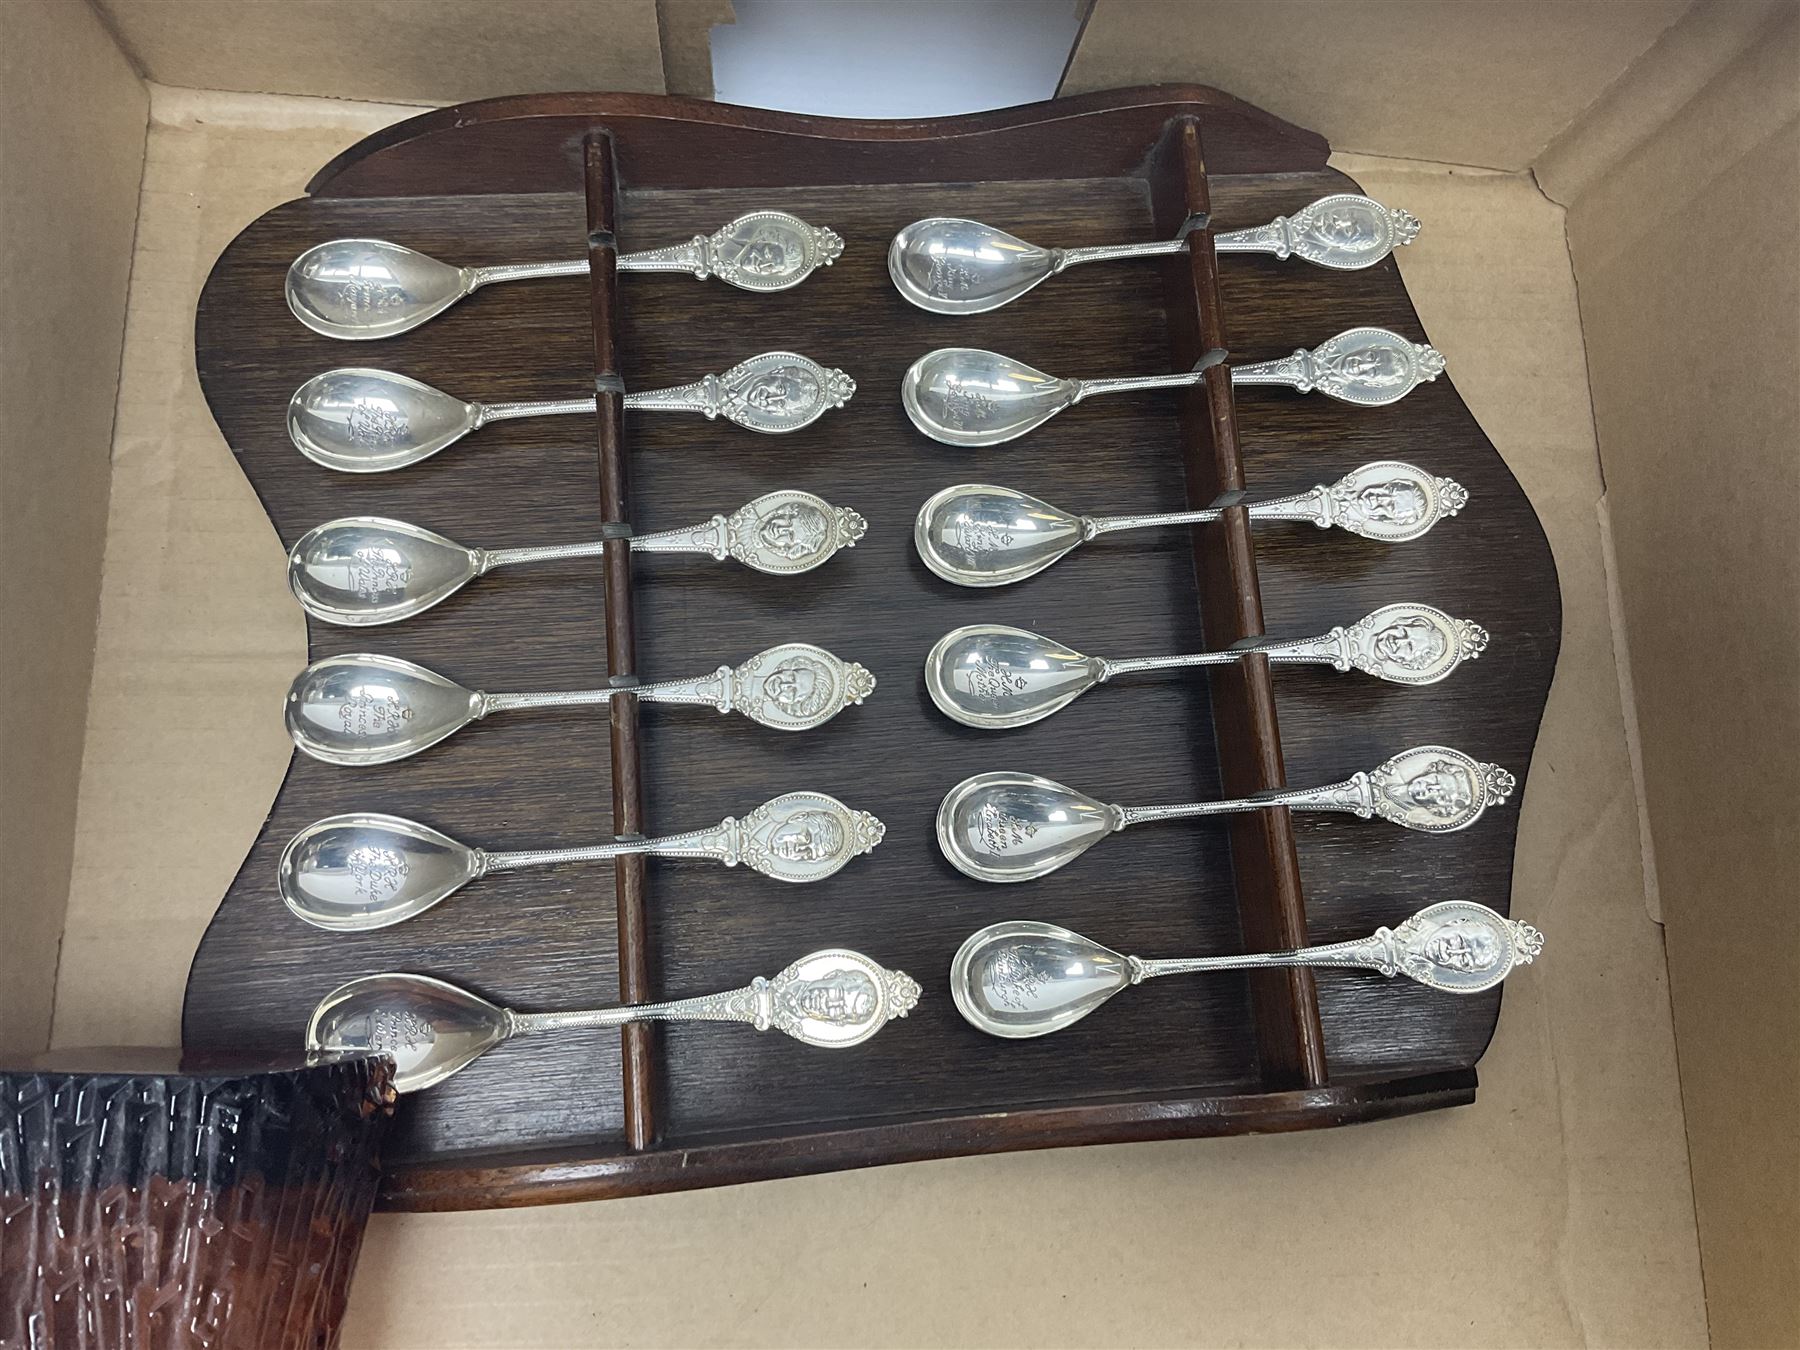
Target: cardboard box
[{"x": 1608, "y": 263}]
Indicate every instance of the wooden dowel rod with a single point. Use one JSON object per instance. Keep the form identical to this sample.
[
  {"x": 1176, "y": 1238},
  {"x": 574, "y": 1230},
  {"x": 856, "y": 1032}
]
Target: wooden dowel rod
[
  {"x": 1272, "y": 912},
  {"x": 638, "y": 1041}
]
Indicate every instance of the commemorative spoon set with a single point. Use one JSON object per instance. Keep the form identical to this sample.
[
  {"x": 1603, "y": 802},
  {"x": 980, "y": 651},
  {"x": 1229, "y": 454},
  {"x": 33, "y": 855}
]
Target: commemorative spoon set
[{"x": 361, "y": 871}]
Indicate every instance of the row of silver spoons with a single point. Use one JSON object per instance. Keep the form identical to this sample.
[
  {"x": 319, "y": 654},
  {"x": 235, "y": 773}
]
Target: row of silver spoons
[
  {"x": 361, "y": 289},
  {"x": 362, "y": 708},
  {"x": 360, "y": 420},
  {"x": 1015, "y": 980},
  {"x": 363, "y": 571},
  {"x": 363, "y": 871}
]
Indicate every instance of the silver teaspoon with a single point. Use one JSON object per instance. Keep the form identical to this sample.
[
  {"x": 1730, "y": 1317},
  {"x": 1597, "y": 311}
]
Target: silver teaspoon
[
  {"x": 363, "y": 709},
  {"x": 361, "y": 571},
  {"x": 968, "y": 397},
  {"x": 1021, "y": 979},
  {"x": 990, "y": 676},
  {"x": 975, "y": 534},
  {"x": 361, "y": 871},
  {"x": 358, "y": 420},
  {"x": 1016, "y": 826},
  {"x": 832, "y": 999},
  {"x": 358, "y": 289},
  {"x": 950, "y": 265}
]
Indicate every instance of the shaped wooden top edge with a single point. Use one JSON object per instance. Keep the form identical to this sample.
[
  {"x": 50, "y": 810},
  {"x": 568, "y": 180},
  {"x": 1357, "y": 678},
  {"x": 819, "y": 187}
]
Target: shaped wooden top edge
[{"x": 381, "y": 163}]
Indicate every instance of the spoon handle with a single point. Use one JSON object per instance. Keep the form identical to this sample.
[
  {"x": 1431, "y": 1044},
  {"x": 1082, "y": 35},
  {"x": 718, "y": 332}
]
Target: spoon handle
[
  {"x": 734, "y": 1005},
  {"x": 718, "y": 841},
  {"x": 488, "y": 276},
  {"x": 1313, "y": 504},
  {"x": 1331, "y": 649},
  {"x": 1376, "y": 952},
  {"x": 711, "y": 537},
  {"x": 1354, "y": 795},
  {"x": 1065, "y": 258},
  {"x": 1126, "y": 384},
  {"x": 503, "y": 412},
  {"x": 1098, "y": 525},
  {"x": 692, "y": 255},
  {"x": 1342, "y": 231},
  {"x": 704, "y": 395},
  {"x": 487, "y": 559}
]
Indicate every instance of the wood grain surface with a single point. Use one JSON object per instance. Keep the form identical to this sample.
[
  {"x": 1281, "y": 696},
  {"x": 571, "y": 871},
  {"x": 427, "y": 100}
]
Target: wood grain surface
[{"x": 545, "y": 1118}]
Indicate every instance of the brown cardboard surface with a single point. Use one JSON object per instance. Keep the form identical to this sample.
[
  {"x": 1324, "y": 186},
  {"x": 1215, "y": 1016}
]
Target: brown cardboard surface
[
  {"x": 1555, "y": 1211},
  {"x": 1481, "y": 82},
  {"x": 399, "y": 51},
  {"x": 1690, "y": 298},
  {"x": 72, "y": 117},
  {"x": 685, "y": 30}
]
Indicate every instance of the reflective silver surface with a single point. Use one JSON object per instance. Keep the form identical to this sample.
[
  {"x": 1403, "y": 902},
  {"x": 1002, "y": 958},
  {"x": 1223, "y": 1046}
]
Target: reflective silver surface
[
  {"x": 1005, "y": 826},
  {"x": 361, "y": 871},
  {"x": 977, "y": 534},
  {"x": 365, "y": 709},
  {"x": 362, "y": 571},
  {"x": 950, "y": 265},
  {"x": 970, "y": 397},
  {"x": 358, "y": 289},
  {"x": 992, "y": 676},
  {"x": 831, "y": 999},
  {"x": 1020, "y": 979},
  {"x": 1345, "y": 232},
  {"x": 359, "y": 420}
]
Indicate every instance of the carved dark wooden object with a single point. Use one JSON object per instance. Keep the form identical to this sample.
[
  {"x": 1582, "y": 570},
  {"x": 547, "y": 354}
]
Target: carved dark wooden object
[{"x": 575, "y": 1116}]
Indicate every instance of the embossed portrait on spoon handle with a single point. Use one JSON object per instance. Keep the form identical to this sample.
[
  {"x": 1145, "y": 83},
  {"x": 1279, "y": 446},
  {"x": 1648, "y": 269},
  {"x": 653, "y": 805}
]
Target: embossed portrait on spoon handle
[{"x": 831, "y": 999}]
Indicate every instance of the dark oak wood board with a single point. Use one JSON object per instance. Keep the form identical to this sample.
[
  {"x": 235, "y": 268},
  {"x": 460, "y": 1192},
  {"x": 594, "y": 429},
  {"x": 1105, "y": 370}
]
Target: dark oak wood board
[{"x": 547, "y": 1118}]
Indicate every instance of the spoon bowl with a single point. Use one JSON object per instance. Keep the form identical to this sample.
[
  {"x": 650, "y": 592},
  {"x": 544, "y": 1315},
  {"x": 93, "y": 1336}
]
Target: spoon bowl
[
  {"x": 976, "y": 534},
  {"x": 969, "y": 397},
  {"x": 366, "y": 570},
  {"x": 1021, "y": 979},
  {"x": 361, "y": 709},
  {"x": 430, "y": 1028},
  {"x": 1006, "y": 827},
  {"x": 358, "y": 420},
  {"x": 993, "y": 677},
  {"x": 356, "y": 289},
  {"x": 949, "y": 265},
  {"x": 353, "y": 873}
]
